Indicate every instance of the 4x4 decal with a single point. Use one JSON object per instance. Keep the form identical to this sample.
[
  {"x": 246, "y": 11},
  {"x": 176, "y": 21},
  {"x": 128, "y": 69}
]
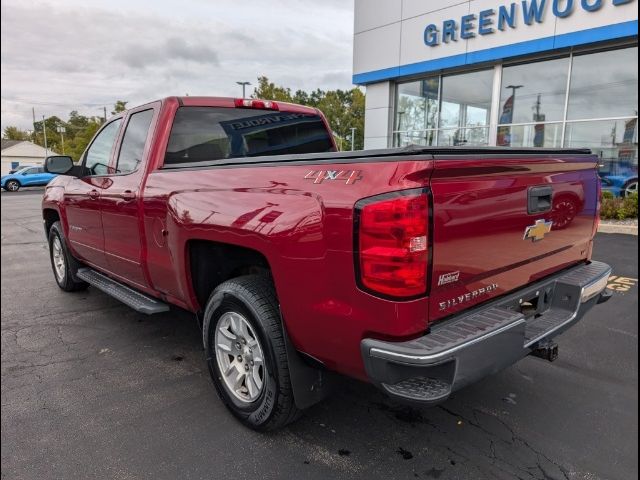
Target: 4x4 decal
[{"x": 348, "y": 176}]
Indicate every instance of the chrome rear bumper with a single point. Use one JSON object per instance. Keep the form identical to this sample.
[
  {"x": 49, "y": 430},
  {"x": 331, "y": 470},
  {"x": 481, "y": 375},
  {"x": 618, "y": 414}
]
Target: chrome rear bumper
[{"x": 480, "y": 342}]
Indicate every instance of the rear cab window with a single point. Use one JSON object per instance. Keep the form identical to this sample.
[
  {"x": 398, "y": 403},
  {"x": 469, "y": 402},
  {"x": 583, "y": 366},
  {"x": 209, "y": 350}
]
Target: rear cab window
[
  {"x": 206, "y": 134},
  {"x": 134, "y": 141}
]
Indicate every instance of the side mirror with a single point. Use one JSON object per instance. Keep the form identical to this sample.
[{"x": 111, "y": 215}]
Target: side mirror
[{"x": 59, "y": 164}]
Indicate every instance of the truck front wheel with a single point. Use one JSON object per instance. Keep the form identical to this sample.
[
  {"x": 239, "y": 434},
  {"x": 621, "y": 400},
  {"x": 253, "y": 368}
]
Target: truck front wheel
[
  {"x": 246, "y": 352},
  {"x": 62, "y": 261}
]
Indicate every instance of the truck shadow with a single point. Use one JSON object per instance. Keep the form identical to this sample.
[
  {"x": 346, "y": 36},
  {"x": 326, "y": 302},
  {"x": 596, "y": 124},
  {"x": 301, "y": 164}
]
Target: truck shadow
[{"x": 358, "y": 432}]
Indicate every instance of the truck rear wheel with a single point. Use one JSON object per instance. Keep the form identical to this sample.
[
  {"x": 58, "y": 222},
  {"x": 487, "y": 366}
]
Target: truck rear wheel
[
  {"x": 62, "y": 262},
  {"x": 246, "y": 352}
]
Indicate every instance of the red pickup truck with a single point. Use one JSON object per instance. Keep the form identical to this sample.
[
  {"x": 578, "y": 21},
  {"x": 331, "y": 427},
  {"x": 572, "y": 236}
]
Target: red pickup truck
[{"x": 417, "y": 269}]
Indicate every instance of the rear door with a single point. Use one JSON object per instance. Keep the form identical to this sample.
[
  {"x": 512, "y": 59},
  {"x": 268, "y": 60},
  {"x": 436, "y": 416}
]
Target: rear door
[
  {"x": 82, "y": 198},
  {"x": 503, "y": 221},
  {"x": 121, "y": 213}
]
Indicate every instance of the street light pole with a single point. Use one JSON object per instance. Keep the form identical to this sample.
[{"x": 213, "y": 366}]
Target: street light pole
[
  {"x": 514, "y": 89},
  {"x": 244, "y": 86},
  {"x": 353, "y": 138}
]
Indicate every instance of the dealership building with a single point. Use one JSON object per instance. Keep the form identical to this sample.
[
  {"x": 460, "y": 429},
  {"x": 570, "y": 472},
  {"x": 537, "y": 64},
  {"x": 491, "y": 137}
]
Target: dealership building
[{"x": 529, "y": 73}]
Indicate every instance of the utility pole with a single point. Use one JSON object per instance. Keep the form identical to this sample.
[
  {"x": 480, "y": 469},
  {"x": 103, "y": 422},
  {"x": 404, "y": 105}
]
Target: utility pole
[
  {"x": 44, "y": 129},
  {"x": 105, "y": 113},
  {"x": 61, "y": 131},
  {"x": 33, "y": 111},
  {"x": 353, "y": 138},
  {"x": 244, "y": 86}
]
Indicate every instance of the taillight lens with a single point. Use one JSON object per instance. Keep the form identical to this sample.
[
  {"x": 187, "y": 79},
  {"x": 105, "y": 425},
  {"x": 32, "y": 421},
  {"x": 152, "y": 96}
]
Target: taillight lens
[{"x": 393, "y": 244}]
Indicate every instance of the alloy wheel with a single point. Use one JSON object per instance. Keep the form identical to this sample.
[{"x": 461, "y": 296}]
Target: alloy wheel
[
  {"x": 57, "y": 255},
  {"x": 631, "y": 188},
  {"x": 239, "y": 357}
]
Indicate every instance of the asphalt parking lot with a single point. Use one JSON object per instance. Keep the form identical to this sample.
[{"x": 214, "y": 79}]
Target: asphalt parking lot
[{"x": 91, "y": 389}]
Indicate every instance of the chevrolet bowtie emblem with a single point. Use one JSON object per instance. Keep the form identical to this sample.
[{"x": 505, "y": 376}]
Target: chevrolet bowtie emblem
[{"x": 537, "y": 231}]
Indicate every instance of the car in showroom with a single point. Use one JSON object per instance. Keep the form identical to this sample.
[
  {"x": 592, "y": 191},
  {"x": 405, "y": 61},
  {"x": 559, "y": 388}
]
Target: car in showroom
[{"x": 26, "y": 177}]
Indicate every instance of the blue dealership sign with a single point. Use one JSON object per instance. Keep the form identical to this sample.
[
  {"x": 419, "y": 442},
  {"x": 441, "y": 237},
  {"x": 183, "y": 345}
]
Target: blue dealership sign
[{"x": 504, "y": 17}]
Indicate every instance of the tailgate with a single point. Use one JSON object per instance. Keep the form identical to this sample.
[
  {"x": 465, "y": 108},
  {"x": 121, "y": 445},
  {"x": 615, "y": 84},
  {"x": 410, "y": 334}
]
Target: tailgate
[{"x": 503, "y": 221}]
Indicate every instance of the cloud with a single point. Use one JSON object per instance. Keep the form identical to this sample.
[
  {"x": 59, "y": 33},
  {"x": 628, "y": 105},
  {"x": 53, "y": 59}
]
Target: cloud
[
  {"x": 170, "y": 50},
  {"x": 82, "y": 54}
]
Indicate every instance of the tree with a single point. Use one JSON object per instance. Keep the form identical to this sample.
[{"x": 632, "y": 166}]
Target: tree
[
  {"x": 14, "y": 133},
  {"x": 54, "y": 139},
  {"x": 120, "y": 106},
  {"x": 78, "y": 143},
  {"x": 270, "y": 91}
]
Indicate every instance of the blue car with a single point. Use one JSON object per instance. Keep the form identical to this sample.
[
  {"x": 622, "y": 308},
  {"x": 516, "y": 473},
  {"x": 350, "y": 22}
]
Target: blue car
[
  {"x": 620, "y": 185},
  {"x": 26, "y": 177}
]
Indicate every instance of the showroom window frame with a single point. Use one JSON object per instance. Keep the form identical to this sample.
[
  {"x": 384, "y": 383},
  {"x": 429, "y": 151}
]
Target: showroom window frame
[{"x": 494, "y": 124}]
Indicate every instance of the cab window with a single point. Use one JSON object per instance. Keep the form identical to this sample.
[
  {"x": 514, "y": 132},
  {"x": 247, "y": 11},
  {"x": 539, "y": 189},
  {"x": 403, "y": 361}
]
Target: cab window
[
  {"x": 99, "y": 153},
  {"x": 134, "y": 141}
]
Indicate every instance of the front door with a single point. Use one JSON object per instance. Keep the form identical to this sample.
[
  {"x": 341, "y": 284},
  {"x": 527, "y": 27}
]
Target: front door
[
  {"x": 83, "y": 202},
  {"x": 121, "y": 213}
]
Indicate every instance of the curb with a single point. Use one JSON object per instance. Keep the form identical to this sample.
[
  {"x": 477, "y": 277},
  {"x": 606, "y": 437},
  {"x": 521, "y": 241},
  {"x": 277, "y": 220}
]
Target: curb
[{"x": 614, "y": 228}]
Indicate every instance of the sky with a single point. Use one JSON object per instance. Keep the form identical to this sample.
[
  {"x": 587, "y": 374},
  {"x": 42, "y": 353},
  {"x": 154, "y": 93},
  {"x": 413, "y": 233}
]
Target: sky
[{"x": 59, "y": 56}]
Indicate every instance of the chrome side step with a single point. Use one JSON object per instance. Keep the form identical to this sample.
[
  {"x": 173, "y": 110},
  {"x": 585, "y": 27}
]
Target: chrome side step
[{"x": 130, "y": 297}]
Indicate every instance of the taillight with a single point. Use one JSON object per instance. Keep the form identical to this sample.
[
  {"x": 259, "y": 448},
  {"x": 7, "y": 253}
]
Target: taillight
[
  {"x": 393, "y": 243},
  {"x": 257, "y": 104}
]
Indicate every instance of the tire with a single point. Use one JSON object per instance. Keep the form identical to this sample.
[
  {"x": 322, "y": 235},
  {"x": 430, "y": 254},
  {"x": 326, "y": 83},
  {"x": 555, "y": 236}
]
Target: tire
[
  {"x": 250, "y": 302},
  {"x": 64, "y": 265},
  {"x": 12, "y": 186},
  {"x": 630, "y": 187}
]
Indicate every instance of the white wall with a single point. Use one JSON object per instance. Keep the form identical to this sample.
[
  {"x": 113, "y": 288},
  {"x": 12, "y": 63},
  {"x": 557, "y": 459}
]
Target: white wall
[
  {"x": 7, "y": 160},
  {"x": 378, "y": 115}
]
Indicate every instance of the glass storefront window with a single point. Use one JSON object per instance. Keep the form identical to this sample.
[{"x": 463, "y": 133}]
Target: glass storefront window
[
  {"x": 604, "y": 85},
  {"x": 466, "y": 100},
  {"x": 534, "y": 92},
  {"x": 417, "y": 105},
  {"x": 463, "y": 136},
  {"x": 536, "y": 109},
  {"x": 614, "y": 141},
  {"x": 548, "y": 135},
  {"x": 426, "y": 138}
]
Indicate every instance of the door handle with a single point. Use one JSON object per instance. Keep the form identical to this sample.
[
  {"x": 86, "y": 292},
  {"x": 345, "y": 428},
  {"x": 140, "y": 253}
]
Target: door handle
[
  {"x": 129, "y": 195},
  {"x": 94, "y": 194}
]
